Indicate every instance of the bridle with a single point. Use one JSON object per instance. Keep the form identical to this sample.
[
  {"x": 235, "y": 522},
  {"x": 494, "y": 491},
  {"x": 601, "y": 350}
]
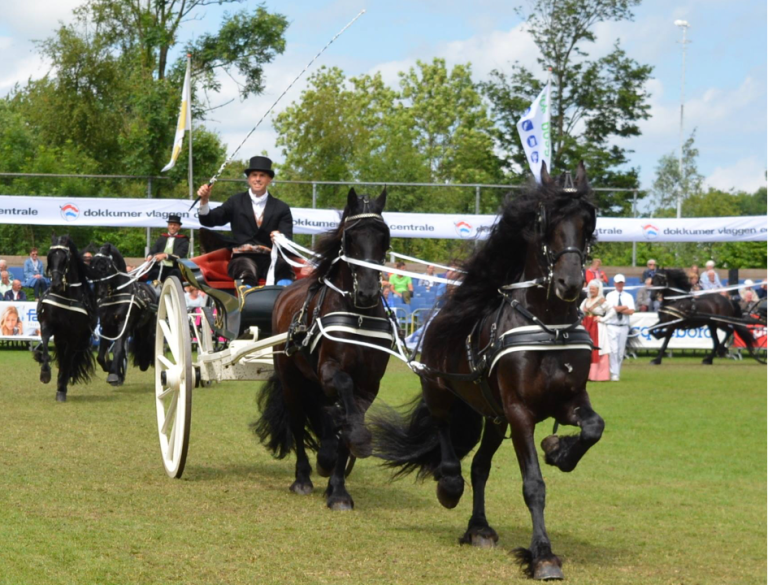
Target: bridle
[
  {"x": 349, "y": 223},
  {"x": 68, "y": 256}
]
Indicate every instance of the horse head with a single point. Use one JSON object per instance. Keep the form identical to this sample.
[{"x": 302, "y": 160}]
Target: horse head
[
  {"x": 62, "y": 263},
  {"x": 365, "y": 237},
  {"x": 565, "y": 229}
]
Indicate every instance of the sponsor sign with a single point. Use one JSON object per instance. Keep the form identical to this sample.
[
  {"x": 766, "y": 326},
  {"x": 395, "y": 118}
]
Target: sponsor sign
[
  {"x": 640, "y": 325},
  {"x": 107, "y": 212},
  {"x": 18, "y": 321}
]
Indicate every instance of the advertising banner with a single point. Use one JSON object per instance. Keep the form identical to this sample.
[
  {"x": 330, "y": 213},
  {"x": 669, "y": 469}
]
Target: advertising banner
[
  {"x": 105, "y": 212},
  {"x": 18, "y": 321},
  {"x": 641, "y": 323}
]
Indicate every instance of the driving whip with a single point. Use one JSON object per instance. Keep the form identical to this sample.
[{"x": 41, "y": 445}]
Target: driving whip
[{"x": 231, "y": 156}]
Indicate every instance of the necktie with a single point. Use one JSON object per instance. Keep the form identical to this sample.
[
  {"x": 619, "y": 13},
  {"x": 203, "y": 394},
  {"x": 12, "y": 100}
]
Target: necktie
[{"x": 621, "y": 315}]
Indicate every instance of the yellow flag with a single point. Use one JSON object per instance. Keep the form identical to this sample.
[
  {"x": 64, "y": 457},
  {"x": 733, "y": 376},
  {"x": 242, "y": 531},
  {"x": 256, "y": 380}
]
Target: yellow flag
[{"x": 185, "y": 119}]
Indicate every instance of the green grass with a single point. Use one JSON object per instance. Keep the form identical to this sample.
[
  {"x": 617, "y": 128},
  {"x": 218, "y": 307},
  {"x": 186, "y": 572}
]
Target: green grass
[{"x": 675, "y": 492}]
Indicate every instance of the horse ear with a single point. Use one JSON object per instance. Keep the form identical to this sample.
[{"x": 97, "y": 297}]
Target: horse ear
[
  {"x": 381, "y": 201},
  {"x": 53, "y": 238},
  {"x": 352, "y": 198},
  {"x": 582, "y": 183},
  {"x": 545, "y": 178}
]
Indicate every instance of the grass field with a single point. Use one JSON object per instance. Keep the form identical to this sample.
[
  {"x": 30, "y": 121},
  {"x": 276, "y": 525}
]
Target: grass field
[{"x": 674, "y": 493}]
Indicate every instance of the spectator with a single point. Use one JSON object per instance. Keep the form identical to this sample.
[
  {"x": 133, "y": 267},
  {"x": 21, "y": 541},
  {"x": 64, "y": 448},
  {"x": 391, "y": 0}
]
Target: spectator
[
  {"x": 594, "y": 272},
  {"x": 87, "y": 257},
  {"x": 709, "y": 279},
  {"x": 33, "y": 274},
  {"x": 747, "y": 297},
  {"x": 5, "y": 283},
  {"x": 194, "y": 298},
  {"x": 618, "y": 324},
  {"x": 761, "y": 291},
  {"x": 595, "y": 311},
  {"x": 402, "y": 286},
  {"x": 650, "y": 270},
  {"x": 443, "y": 290},
  {"x": 427, "y": 284},
  {"x": 3, "y": 265},
  {"x": 693, "y": 279},
  {"x": 10, "y": 324},
  {"x": 646, "y": 298},
  {"x": 695, "y": 270},
  {"x": 15, "y": 294}
]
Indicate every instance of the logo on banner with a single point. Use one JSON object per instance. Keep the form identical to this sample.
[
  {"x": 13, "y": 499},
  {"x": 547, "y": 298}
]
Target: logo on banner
[
  {"x": 651, "y": 232},
  {"x": 464, "y": 230},
  {"x": 527, "y": 125},
  {"x": 532, "y": 141},
  {"x": 70, "y": 212}
]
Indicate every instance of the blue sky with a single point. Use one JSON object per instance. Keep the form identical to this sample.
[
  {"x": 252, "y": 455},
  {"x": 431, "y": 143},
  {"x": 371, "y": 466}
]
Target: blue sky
[{"x": 725, "y": 90}]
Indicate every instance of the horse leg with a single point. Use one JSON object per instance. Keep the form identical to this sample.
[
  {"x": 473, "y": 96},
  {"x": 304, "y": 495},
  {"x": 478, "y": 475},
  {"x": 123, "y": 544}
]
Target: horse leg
[
  {"x": 479, "y": 532},
  {"x": 715, "y": 344},
  {"x": 65, "y": 363},
  {"x": 116, "y": 375},
  {"x": 538, "y": 561},
  {"x": 42, "y": 355},
  {"x": 302, "y": 485},
  {"x": 336, "y": 494},
  {"x": 565, "y": 452},
  {"x": 657, "y": 360},
  {"x": 354, "y": 432},
  {"x": 325, "y": 429},
  {"x": 103, "y": 356}
]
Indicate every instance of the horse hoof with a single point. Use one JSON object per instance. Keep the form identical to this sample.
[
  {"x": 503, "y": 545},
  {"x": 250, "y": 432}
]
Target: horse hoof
[
  {"x": 480, "y": 537},
  {"x": 706, "y": 362},
  {"x": 61, "y": 396},
  {"x": 656, "y": 362},
  {"x": 550, "y": 444},
  {"x": 548, "y": 571},
  {"x": 342, "y": 504},
  {"x": 301, "y": 488},
  {"x": 113, "y": 379},
  {"x": 449, "y": 491},
  {"x": 45, "y": 377}
]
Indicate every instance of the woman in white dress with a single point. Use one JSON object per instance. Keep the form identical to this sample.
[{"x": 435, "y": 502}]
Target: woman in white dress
[{"x": 596, "y": 312}]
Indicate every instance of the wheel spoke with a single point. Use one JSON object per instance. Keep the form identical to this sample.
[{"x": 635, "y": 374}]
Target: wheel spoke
[
  {"x": 165, "y": 393},
  {"x": 169, "y": 302},
  {"x": 170, "y": 339},
  {"x": 165, "y": 361},
  {"x": 172, "y": 438},
  {"x": 170, "y": 415}
]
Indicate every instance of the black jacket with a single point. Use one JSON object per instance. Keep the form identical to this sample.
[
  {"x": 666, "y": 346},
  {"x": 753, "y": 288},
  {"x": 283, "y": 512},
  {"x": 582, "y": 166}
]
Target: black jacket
[
  {"x": 180, "y": 245},
  {"x": 237, "y": 211}
]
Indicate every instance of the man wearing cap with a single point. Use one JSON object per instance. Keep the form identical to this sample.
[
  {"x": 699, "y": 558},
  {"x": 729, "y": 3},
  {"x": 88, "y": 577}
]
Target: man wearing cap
[
  {"x": 255, "y": 217},
  {"x": 168, "y": 249},
  {"x": 618, "y": 324}
]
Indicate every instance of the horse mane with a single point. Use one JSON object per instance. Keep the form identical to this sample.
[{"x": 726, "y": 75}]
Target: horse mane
[
  {"x": 76, "y": 264},
  {"x": 677, "y": 278},
  {"x": 501, "y": 259},
  {"x": 117, "y": 257}
]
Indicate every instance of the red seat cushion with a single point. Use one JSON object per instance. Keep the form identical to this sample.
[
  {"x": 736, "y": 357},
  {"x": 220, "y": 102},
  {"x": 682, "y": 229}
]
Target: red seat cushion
[{"x": 214, "y": 268}]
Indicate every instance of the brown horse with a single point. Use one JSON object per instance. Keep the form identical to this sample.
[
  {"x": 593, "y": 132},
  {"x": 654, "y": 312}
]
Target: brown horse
[
  {"x": 507, "y": 347},
  {"x": 325, "y": 381}
]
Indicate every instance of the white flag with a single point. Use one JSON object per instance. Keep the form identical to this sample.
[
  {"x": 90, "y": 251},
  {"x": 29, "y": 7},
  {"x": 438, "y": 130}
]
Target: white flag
[
  {"x": 534, "y": 130},
  {"x": 185, "y": 120}
]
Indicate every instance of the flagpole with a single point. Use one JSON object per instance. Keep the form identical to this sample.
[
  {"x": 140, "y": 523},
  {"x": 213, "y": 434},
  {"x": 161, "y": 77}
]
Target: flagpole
[{"x": 191, "y": 176}]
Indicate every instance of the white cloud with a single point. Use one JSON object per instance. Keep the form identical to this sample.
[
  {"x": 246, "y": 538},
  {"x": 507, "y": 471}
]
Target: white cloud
[
  {"x": 747, "y": 174},
  {"x": 36, "y": 19}
]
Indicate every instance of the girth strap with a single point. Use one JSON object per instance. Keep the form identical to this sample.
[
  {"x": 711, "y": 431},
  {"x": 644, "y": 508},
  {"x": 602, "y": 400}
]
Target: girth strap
[{"x": 64, "y": 303}]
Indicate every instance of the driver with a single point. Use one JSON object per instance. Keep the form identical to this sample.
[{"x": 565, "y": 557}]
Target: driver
[{"x": 256, "y": 217}]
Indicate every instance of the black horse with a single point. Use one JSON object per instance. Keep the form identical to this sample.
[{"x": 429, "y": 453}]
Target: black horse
[
  {"x": 714, "y": 311},
  {"x": 507, "y": 347},
  {"x": 67, "y": 311},
  {"x": 127, "y": 311},
  {"x": 322, "y": 388}
]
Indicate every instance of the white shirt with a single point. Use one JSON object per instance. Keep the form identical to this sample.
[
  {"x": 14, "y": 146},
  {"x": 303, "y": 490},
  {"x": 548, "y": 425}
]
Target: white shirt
[
  {"x": 616, "y": 298},
  {"x": 259, "y": 204}
]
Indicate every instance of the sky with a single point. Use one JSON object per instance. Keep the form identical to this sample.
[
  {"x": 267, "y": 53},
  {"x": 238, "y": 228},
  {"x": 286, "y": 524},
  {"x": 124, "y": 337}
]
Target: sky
[{"x": 725, "y": 84}]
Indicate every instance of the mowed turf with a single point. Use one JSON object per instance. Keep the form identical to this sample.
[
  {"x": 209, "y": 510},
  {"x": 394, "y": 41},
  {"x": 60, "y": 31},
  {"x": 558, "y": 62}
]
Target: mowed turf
[{"x": 675, "y": 492}]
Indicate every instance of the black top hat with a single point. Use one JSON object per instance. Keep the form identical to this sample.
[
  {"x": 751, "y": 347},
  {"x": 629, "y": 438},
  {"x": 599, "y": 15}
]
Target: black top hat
[
  {"x": 173, "y": 218},
  {"x": 260, "y": 163}
]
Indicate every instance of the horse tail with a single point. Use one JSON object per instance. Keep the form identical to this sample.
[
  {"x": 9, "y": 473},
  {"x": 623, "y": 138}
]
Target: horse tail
[
  {"x": 77, "y": 358},
  {"x": 142, "y": 345},
  {"x": 273, "y": 428},
  {"x": 410, "y": 442}
]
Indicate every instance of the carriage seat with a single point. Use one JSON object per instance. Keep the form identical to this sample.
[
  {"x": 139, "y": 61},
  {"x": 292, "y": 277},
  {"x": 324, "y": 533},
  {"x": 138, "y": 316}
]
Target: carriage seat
[{"x": 214, "y": 268}]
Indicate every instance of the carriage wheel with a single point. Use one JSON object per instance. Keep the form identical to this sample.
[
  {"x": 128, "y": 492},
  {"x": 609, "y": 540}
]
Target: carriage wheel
[{"x": 174, "y": 377}]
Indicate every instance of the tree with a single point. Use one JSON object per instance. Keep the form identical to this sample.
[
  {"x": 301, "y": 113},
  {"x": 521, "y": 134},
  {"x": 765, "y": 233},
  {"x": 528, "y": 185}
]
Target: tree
[
  {"x": 668, "y": 182},
  {"x": 594, "y": 102}
]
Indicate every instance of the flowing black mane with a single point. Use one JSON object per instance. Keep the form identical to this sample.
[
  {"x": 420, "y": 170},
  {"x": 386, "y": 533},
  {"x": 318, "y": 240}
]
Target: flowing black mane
[
  {"x": 501, "y": 259},
  {"x": 677, "y": 278},
  {"x": 77, "y": 267}
]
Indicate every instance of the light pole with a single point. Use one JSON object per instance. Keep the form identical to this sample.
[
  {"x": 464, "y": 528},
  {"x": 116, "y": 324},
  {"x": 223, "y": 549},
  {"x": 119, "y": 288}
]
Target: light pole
[{"x": 683, "y": 24}]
